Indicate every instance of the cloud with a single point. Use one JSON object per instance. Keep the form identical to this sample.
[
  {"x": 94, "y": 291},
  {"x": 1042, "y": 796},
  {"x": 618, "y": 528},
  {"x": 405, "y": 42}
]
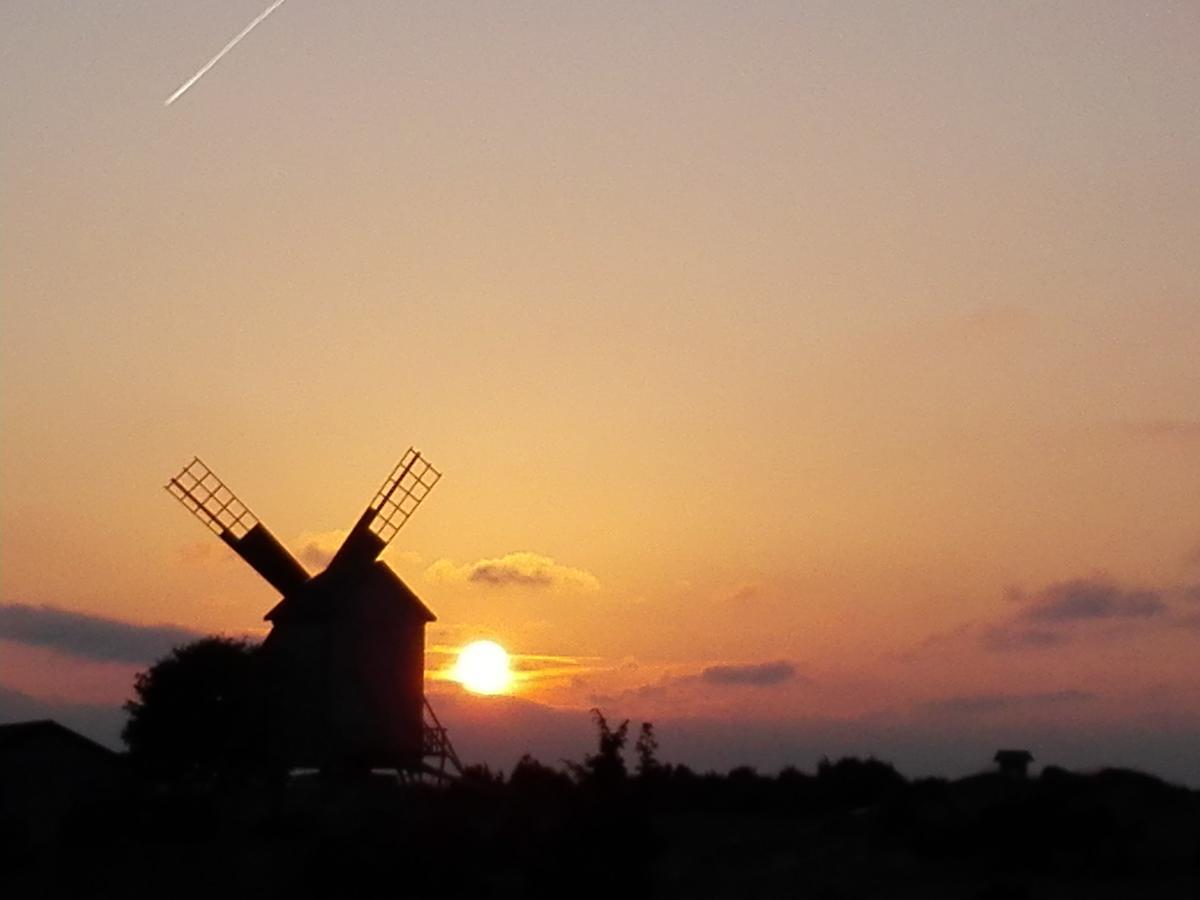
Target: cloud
[
  {"x": 87, "y": 636},
  {"x": 523, "y": 569},
  {"x": 1006, "y": 636},
  {"x": 1045, "y": 618},
  {"x": 977, "y": 704},
  {"x": 1092, "y": 598},
  {"x": 541, "y": 664},
  {"x": 756, "y": 674},
  {"x": 528, "y": 669},
  {"x": 935, "y": 642},
  {"x": 696, "y": 690},
  {"x": 317, "y": 547},
  {"x": 1066, "y": 610}
]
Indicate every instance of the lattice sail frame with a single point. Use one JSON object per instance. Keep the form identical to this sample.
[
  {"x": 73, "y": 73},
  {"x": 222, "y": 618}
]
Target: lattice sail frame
[
  {"x": 204, "y": 494},
  {"x": 401, "y": 494}
]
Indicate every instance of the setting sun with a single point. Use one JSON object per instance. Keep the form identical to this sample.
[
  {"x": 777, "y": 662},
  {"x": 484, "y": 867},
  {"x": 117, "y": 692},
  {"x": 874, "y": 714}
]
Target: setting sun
[{"x": 483, "y": 668}]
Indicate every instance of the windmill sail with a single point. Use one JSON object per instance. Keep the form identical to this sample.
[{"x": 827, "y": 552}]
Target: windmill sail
[
  {"x": 210, "y": 501},
  {"x": 396, "y": 500}
]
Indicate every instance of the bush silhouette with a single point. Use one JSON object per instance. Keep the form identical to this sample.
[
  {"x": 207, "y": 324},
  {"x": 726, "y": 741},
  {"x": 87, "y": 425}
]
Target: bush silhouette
[
  {"x": 853, "y": 782},
  {"x": 535, "y": 782},
  {"x": 198, "y": 714}
]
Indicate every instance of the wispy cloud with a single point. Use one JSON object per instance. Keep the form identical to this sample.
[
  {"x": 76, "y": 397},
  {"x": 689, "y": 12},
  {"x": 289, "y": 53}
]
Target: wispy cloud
[
  {"x": 756, "y": 674},
  {"x": 982, "y": 704},
  {"x": 1058, "y": 614},
  {"x": 316, "y": 548},
  {"x": 529, "y": 668},
  {"x": 683, "y": 688},
  {"x": 1007, "y": 636},
  {"x": 550, "y": 665},
  {"x": 1191, "y": 621},
  {"x": 522, "y": 569},
  {"x": 1092, "y": 598},
  {"x": 1047, "y": 618},
  {"x": 89, "y": 636}
]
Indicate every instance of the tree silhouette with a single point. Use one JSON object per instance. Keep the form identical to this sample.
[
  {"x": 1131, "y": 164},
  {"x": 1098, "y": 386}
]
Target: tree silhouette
[
  {"x": 647, "y": 752},
  {"x": 606, "y": 766},
  {"x": 198, "y": 713}
]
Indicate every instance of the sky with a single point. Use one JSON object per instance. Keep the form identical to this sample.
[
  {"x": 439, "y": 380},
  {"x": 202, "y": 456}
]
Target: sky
[{"x": 808, "y": 378}]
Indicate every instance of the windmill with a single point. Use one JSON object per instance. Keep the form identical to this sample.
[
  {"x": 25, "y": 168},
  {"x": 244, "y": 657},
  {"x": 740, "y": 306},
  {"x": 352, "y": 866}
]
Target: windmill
[{"x": 345, "y": 657}]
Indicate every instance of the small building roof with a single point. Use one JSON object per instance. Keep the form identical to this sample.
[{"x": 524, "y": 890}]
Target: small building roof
[
  {"x": 1013, "y": 756},
  {"x": 15, "y": 734}
]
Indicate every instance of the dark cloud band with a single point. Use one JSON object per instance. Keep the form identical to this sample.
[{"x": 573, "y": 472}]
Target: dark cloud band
[
  {"x": 1086, "y": 598},
  {"x": 977, "y": 704},
  {"x": 757, "y": 675},
  {"x": 87, "y": 636}
]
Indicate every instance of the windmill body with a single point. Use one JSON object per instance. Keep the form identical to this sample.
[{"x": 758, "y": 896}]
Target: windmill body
[
  {"x": 344, "y": 662},
  {"x": 349, "y": 653}
]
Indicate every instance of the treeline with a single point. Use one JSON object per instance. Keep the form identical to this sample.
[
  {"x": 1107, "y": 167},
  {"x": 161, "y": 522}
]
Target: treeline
[
  {"x": 847, "y": 783},
  {"x": 860, "y": 822},
  {"x": 622, "y": 823},
  {"x": 193, "y": 813}
]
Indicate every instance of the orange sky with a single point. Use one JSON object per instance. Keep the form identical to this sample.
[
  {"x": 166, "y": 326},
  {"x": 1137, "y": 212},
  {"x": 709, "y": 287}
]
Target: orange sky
[{"x": 858, "y": 339}]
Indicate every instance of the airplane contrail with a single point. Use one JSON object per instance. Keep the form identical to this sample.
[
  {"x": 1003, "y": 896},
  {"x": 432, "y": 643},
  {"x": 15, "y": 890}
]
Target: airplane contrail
[{"x": 216, "y": 59}]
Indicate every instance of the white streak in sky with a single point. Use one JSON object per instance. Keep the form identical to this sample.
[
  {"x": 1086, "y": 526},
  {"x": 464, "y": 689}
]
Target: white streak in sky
[{"x": 216, "y": 59}]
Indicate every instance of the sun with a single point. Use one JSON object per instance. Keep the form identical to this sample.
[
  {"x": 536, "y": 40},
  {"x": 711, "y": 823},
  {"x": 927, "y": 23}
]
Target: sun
[{"x": 483, "y": 668}]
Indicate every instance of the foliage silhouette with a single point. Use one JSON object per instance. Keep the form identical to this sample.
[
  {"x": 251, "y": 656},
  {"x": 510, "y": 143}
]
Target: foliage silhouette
[
  {"x": 646, "y": 748},
  {"x": 198, "y": 726},
  {"x": 853, "y": 782},
  {"x": 480, "y": 775},
  {"x": 199, "y": 714},
  {"x": 606, "y": 766},
  {"x": 533, "y": 780},
  {"x": 846, "y": 830}
]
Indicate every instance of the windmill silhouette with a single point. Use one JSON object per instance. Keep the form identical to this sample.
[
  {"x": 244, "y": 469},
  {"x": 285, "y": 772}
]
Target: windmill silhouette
[{"x": 345, "y": 657}]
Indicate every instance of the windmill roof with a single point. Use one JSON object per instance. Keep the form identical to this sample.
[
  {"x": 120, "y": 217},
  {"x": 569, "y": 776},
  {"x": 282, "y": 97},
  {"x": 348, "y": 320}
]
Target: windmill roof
[{"x": 322, "y": 597}]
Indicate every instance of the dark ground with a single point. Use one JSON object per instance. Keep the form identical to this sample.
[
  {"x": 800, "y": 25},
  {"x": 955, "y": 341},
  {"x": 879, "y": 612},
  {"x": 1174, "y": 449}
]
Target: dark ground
[{"x": 854, "y": 829}]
